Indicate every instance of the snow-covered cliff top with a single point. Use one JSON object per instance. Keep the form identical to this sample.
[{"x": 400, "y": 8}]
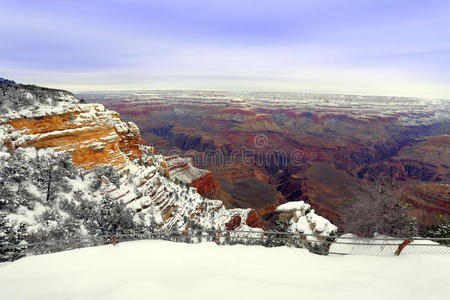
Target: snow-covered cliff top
[{"x": 19, "y": 100}]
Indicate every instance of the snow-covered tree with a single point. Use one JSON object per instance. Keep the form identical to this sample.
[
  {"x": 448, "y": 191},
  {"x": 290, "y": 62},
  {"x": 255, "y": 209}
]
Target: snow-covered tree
[
  {"x": 114, "y": 217},
  {"x": 12, "y": 239},
  {"x": 376, "y": 209}
]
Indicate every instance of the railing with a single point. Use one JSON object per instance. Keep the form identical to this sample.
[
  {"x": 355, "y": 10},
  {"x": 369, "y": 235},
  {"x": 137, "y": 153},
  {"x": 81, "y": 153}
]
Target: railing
[{"x": 322, "y": 245}]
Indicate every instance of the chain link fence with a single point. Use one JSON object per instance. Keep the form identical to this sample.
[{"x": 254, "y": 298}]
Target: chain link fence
[{"x": 321, "y": 245}]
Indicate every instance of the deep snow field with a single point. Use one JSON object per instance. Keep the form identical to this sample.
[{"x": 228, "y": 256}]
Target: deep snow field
[{"x": 167, "y": 270}]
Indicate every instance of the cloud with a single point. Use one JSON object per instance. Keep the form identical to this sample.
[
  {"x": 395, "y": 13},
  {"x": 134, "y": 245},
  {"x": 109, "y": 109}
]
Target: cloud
[{"x": 343, "y": 46}]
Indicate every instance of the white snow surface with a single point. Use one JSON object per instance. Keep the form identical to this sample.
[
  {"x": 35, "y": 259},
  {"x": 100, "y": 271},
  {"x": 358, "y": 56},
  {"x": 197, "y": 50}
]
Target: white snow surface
[
  {"x": 167, "y": 270},
  {"x": 293, "y": 206}
]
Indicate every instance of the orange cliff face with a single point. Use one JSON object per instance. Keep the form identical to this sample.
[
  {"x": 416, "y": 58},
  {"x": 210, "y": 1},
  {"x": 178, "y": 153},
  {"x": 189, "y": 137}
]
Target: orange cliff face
[
  {"x": 206, "y": 185},
  {"x": 92, "y": 134}
]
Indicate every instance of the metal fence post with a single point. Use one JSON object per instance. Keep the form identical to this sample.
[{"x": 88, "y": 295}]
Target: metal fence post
[{"x": 402, "y": 246}]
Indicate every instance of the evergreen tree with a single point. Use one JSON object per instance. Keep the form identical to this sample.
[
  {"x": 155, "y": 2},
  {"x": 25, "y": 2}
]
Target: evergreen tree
[
  {"x": 12, "y": 239},
  {"x": 114, "y": 217}
]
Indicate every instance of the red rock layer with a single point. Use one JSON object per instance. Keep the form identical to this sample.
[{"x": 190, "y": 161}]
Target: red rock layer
[
  {"x": 206, "y": 185},
  {"x": 234, "y": 223},
  {"x": 253, "y": 220},
  {"x": 428, "y": 200}
]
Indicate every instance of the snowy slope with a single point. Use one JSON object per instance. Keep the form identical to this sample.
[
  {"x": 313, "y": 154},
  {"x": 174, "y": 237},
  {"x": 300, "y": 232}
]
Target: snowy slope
[
  {"x": 156, "y": 202},
  {"x": 166, "y": 270}
]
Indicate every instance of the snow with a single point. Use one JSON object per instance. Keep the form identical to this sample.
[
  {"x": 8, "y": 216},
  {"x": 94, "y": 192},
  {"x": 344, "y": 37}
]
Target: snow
[
  {"x": 292, "y": 206},
  {"x": 151, "y": 196},
  {"x": 55, "y": 103},
  {"x": 305, "y": 220},
  {"x": 167, "y": 270},
  {"x": 320, "y": 223},
  {"x": 180, "y": 168}
]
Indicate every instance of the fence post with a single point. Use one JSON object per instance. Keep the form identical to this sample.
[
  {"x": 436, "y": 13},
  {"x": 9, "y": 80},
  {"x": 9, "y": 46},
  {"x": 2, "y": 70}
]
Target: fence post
[
  {"x": 218, "y": 237},
  {"x": 402, "y": 246},
  {"x": 113, "y": 239}
]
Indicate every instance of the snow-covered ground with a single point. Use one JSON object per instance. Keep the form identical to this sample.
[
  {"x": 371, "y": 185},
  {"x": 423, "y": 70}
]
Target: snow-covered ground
[{"x": 167, "y": 270}]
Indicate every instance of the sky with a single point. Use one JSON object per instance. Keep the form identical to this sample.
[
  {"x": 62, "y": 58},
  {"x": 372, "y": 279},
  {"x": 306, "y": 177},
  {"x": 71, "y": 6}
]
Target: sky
[{"x": 377, "y": 47}]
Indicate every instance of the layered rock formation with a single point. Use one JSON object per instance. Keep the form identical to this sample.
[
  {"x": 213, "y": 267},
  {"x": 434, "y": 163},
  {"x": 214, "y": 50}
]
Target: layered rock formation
[
  {"x": 55, "y": 121},
  {"x": 183, "y": 170},
  {"x": 427, "y": 199},
  {"x": 268, "y": 148},
  {"x": 90, "y": 133}
]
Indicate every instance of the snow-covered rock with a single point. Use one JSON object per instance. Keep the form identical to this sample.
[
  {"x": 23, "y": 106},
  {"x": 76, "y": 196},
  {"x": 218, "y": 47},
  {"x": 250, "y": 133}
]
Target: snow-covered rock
[{"x": 304, "y": 220}]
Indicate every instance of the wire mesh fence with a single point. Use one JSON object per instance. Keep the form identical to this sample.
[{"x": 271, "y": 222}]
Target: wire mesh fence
[{"x": 321, "y": 245}]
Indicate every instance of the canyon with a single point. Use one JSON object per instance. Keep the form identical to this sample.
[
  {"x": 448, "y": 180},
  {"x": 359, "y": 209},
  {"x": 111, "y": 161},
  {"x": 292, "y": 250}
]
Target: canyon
[{"x": 266, "y": 149}]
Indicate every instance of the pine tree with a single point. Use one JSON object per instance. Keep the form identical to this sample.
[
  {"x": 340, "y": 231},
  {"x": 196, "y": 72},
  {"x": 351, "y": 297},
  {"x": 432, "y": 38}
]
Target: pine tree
[
  {"x": 114, "y": 217},
  {"x": 12, "y": 244}
]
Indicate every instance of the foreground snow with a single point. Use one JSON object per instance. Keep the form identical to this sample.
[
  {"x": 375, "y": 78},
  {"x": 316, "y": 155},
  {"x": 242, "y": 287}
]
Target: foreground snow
[{"x": 166, "y": 270}]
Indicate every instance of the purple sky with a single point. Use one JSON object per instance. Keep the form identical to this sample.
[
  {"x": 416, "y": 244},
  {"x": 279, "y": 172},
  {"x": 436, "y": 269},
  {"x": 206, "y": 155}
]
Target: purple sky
[{"x": 381, "y": 47}]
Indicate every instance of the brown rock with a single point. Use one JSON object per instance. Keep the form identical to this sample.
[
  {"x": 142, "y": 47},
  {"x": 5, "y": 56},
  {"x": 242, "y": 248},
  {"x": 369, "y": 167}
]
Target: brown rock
[
  {"x": 253, "y": 220},
  {"x": 234, "y": 223}
]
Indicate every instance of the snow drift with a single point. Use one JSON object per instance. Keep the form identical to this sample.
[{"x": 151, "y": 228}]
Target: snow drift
[{"x": 166, "y": 270}]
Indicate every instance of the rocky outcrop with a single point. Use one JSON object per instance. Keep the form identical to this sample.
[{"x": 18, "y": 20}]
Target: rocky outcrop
[
  {"x": 182, "y": 169},
  {"x": 302, "y": 219},
  {"x": 93, "y": 135},
  {"x": 234, "y": 223},
  {"x": 206, "y": 185},
  {"x": 253, "y": 220}
]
